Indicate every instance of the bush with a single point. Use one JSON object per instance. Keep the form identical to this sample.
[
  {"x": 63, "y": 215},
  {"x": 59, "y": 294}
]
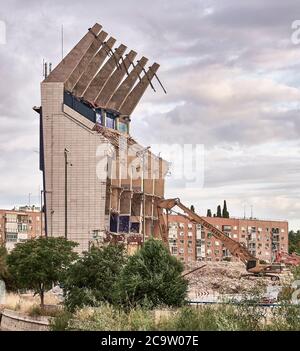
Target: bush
[
  {"x": 152, "y": 277},
  {"x": 61, "y": 321},
  {"x": 93, "y": 278}
]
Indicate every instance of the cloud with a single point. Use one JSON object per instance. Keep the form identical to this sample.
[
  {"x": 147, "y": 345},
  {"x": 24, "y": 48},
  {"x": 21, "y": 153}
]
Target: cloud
[{"x": 231, "y": 72}]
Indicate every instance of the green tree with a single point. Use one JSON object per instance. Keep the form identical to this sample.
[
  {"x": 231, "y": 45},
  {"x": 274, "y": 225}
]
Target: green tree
[
  {"x": 40, "y": 263},
  {"x": 93, "y": 278},
  {"x": 3, "y": 265},
  {"x": 225, "y": 213},
  {"x": 152, "y": 277},
  {"x": 219, "y": 212},
  {"x": 4, "y": 273},
  {"x": 208, "y": 213},
  {"x": 294, "y": 242}
]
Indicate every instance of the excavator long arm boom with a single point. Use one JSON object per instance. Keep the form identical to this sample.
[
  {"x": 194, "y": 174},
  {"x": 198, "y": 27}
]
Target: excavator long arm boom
[{"x": 235, "y": 248}]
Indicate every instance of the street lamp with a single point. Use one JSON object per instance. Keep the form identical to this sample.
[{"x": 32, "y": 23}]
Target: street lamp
[{"x": 142, "y": 154}]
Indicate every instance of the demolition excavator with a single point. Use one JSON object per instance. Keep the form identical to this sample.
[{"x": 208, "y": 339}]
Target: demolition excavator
[{"x": 254, "y": 266}]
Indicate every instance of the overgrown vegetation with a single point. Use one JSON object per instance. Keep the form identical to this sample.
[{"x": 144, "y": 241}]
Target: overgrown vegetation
[
  {"x": 38, "y": 264},
  {"x": 240, "y": 317}
]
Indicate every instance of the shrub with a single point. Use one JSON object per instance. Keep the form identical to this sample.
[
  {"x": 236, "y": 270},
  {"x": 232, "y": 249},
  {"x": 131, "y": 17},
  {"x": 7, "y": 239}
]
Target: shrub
[
  {"x": 93, "y": 278},
  {"x": 61, "y": 321},
  {"x": 152, "y": 277}
]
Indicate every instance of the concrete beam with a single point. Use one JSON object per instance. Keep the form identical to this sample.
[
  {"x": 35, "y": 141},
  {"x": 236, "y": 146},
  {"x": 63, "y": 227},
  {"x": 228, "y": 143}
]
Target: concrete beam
[
  {"x": 124, "y": 89},
  {"x": 102, "y": 76},
  {"x": 96, "y": 62},
  {"x": 63, "y": 70},
  {"x": 82, "y": 65},
  {"x": 93, "y": 67},
  {"x": 138, "y": 91},
  {"x": 114, "y": 80}
]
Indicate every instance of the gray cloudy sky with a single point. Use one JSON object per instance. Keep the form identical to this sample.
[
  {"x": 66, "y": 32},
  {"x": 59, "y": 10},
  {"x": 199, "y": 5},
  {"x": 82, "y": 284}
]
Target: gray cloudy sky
[{"x": 232, "y": 75}]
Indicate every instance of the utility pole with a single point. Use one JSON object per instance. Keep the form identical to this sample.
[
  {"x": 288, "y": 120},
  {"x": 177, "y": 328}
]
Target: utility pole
[
  {"x": 142, "y": 154},
  {"x": 66, "y": 151}
]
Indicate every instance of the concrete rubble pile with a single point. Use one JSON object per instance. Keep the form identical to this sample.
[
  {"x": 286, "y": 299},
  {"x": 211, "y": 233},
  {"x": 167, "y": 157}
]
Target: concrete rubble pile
[{"x": 225, "y": 278}]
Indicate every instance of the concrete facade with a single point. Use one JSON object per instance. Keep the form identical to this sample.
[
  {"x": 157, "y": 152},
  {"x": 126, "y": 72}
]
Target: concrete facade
[
  {"x": 191, "y": 242},
  {"x": 99, "y": 183}
]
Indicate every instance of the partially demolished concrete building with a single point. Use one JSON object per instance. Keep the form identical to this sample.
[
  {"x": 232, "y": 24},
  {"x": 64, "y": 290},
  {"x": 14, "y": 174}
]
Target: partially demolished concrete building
[{"x": 99, "y": 183}]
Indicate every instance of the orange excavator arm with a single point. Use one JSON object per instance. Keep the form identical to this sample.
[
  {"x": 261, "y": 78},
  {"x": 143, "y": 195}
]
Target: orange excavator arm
[{"x": 235, "y": 248}]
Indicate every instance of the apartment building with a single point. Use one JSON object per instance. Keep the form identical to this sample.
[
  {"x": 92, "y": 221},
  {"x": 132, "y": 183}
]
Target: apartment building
[
  {"x": 19, "y": 225},
  {"x": 263, "y": 238}
]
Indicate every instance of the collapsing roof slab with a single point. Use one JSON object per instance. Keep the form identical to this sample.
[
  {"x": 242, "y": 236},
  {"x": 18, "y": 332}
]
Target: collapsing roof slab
[{"x": 103, "y": 76}]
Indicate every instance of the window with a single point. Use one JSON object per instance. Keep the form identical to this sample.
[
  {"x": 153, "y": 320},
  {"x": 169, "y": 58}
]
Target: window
[
  {"x": 109, "y": 122},
  {"x": 190, "y": 234},
  {"x": 11, "y": 237},
  {"x": 209, "y": 235},
  {"x": 217, "y": 243},
  {"x": 181, "y": 250},
  {"x": 174, "y": 250},
  {"x": 282, "y": 230},
  {"x": 235, "y": 227},
  {"x": 217, "y": 252},
  {"x": 22, "y": 227},
  {"x": 235, "y": 236},
  {"x": 122, "y": 127},
  {"x": 190, "y": 251},
  {"x": 37, "y": 218},
  {"x": 190, "y": 225},
  {"x": 181, "y": 225},
  {"x": 181, "y": 233}
]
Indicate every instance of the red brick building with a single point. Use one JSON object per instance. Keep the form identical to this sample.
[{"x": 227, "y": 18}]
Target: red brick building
[
  {"x": 19, "y": 225},
  {"x": 191, "y": 242}
]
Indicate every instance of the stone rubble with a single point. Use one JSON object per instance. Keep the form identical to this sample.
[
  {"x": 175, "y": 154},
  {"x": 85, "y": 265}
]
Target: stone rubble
[{"x": 225, "y": 278}]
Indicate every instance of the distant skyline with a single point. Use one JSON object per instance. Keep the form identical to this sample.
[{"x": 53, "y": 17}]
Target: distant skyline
[{"x": 231, "y": 71}]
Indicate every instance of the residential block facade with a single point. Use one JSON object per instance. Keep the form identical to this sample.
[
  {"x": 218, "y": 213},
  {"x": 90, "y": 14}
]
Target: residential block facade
[
  {"x": 191, "y": 242},
  {"x": 19, "y": 225}
]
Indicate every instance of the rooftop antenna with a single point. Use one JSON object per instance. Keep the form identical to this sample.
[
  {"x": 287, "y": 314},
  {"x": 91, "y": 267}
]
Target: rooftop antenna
[
  {"x": 45, "y": 69},
  {"x": 62, "y": 41}
]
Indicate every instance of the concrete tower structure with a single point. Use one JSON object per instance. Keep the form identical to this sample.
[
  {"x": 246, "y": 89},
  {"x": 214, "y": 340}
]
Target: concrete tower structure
[{"x": 99, "y": 183}]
